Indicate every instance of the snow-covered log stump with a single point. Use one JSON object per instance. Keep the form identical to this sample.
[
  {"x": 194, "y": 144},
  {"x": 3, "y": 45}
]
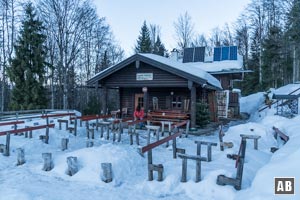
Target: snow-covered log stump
[
  {"x": 106, "y": 174},
  {"x": 48, "y": 162},
  {"x": 89, "y": 143},
  {"x": 72, "y": 165},
  {"x": 20, "y": 156},
  {"x": 64, "y": 143},
  {"x": 2, "y": 147}
]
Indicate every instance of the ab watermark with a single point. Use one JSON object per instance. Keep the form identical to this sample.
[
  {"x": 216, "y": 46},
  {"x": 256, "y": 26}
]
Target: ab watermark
[{"x": 284, "y": 185}]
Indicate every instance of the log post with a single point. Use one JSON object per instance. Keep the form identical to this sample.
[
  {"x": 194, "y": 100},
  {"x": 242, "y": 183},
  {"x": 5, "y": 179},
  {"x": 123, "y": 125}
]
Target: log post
[
  {"x": 72, "y": 165},
  {"x": 101, "y": 131},
  {"x": 6, "y": 150},
  {"x": 160, "y": 172},
  {"x": 64, "y": 143},
  {"x": 75, "y": 126},
  {"x": 20, "y": 156},
  {"x": 48, "y": 163},
  {"x": 184, "y": 169},
  {"x": 107, "y": 174},
  {"x": 47, "y": 134},
  {"x": 150, "y": 172},
  {"x": 198, "y": 171}
]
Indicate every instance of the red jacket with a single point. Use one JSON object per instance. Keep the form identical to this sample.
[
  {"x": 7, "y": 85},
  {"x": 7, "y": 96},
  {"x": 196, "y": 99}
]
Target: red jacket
[{"x": 139, "y": 114}]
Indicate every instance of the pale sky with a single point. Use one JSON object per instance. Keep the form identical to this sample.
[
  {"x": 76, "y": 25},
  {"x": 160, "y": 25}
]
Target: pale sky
[{"x": 126, "y": 17}]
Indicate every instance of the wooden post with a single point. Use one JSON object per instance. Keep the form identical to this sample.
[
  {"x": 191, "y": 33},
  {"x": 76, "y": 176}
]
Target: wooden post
[
  {"x": 64, "y": 143},
  {"x": 26, "y": 132},
  {"x": 221, "y": 134},
  {"x": 97, "y": 124},
  {"x": 174, "y": 148},
  {"x": 107, "y": 132},
  {"x": 150, "y": 172},
  {"x": 20, "y": 156},
  {"x": 72, "y": 165},
  {"x": 119, "y": 131},
  {"x": 6, "y": 150},
  {"x": 137, "y": 140},
  {"x": 101, "y": 131},
  {"x": 146, "y": 100},
  {"x": 48, "y": 163},
  {"x": 47, "y": 134},
  {"x": 75, "y": 126},
  {"x": 187, "y": 129},
  {"x": 256, "y": 144},
  {"x": 184, "y": 169},
  {"x": 198, "y": 171},
  {"x": 160, "y": 172},
  {"x": 148, "y": 136},
  {"x": 107, "y": 174},
  {"x": 193, "y": 105}
]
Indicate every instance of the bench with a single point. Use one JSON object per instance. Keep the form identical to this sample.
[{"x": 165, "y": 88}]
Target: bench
[
  {"x": 208, "y": 144},
  {"x": 222, "y": 143},
  {"x": 198, "y": 160},
  {"x": 60, "y": 121},
  {"x": 157, "y": 116},
  {"x": 132, "y": 130},
  {"x": 7, "y": 133},
  {"x": 159, "y": 167},
  {"x": 254, "y": 137},
  {"x": 240, "y": 158},
  {"x": 281, "y": 135}
]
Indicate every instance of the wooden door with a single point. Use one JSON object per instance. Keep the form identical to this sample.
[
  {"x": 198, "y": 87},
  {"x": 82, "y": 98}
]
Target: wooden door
[{"x": 139, "y": 100}]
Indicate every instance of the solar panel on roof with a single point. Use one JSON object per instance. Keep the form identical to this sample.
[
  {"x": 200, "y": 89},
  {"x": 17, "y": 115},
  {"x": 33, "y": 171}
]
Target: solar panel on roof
[
  {"x": 217, "y": 54},
  {"x": 199, "y": 54},
  {"x": 225, "y": 53},
  {"x": 233, "y": 53},
  {"x": 188, "y": 55}
]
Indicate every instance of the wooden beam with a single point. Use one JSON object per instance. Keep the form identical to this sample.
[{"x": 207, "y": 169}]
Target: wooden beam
[
  {"x": 11, "y": 123},
  {"x": 159, "y": 142},
  {"x": 193, "y": 107},
  {"x": 27, "y": 129}
]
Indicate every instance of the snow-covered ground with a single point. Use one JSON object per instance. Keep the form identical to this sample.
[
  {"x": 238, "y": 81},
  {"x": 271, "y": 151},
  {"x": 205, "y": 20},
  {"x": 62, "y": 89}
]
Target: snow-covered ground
[{"x": 130, "y": 177}]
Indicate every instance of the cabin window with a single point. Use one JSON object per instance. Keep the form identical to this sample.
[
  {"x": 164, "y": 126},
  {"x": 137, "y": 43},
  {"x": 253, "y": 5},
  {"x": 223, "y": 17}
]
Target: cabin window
[{"x": 176, "y": 102}]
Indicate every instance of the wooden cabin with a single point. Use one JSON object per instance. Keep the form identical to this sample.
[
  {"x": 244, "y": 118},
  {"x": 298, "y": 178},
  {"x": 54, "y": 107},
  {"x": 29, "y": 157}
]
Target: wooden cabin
[
  {"x": 156, "y": 82},
  {"x": 225, "y": 65}
]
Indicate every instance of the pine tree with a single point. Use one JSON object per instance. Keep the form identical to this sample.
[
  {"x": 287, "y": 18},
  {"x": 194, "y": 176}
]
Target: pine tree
[
  {"x": 27, "y": 69},
  {"x": 202, "y": 115},
  {"x": 251, "y": 81},
  {"x": 159, "y": 47},
  {"x": 272, "y": 59},
  {"x": 144, "y": 41}
]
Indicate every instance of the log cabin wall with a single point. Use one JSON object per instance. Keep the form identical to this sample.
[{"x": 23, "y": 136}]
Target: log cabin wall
[{"x": 126, "y": 77}]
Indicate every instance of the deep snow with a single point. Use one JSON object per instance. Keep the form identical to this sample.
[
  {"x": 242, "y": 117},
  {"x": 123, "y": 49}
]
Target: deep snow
[{"x": 130, "y": 179}]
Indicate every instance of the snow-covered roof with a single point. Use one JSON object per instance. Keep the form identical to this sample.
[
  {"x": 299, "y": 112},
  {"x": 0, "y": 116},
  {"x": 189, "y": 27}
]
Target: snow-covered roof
[
  {"x": 287, "y": 89},
  {"x": 195, "y": 73},
  {"x": 191, "y": 69},
  {"x": 218, "y": 66}
]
